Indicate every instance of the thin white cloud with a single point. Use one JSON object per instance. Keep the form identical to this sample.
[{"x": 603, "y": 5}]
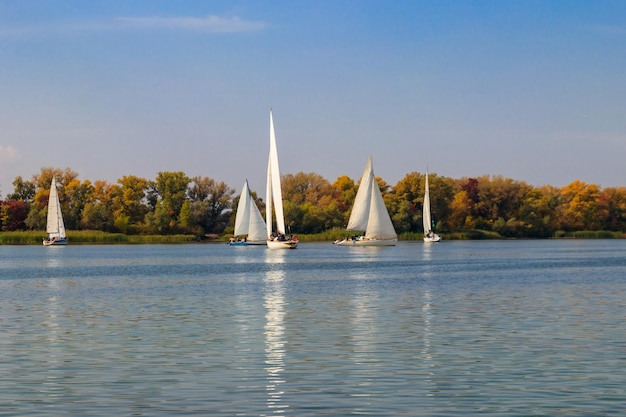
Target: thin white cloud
[
  {"x": 8, "y": 153},
  {"x": 208, "y": 24},
  {"x": 212, "y": 24}
]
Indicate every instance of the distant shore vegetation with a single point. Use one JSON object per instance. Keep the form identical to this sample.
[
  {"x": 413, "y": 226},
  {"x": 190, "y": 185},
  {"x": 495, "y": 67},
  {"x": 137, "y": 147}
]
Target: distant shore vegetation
[{"x": 176, "y": 208}]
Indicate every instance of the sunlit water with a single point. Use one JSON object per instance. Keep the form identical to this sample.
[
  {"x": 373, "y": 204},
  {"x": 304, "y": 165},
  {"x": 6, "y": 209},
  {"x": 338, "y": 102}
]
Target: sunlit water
[{"x": 507, "y": 328}]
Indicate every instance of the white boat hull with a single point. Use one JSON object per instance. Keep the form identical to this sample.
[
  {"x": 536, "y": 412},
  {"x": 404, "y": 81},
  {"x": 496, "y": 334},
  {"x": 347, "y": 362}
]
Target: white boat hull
[
  {"x": 366, "y": 242},
  {"x": 282, "y": 244},
  {"x": 55, "y": 242},
  {"x": 430, "y": 239}
]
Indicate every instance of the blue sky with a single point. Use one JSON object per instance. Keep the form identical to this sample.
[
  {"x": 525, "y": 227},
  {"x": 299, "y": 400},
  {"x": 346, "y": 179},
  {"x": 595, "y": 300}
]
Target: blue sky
[{"x": 531, "y": 90}]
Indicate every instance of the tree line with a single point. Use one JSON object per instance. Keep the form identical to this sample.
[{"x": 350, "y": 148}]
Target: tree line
[{"x": 175, "y": 203}]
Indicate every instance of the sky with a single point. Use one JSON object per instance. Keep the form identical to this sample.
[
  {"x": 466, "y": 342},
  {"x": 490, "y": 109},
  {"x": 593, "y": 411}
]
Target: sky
[{"x": 529, "y": 90}]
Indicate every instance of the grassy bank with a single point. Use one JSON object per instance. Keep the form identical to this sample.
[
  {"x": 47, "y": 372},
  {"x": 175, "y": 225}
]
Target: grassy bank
[
  {"x": 97, "y": 237},
  {"x": 93, "y": 237},
  {"x": 597, "y": 234}
]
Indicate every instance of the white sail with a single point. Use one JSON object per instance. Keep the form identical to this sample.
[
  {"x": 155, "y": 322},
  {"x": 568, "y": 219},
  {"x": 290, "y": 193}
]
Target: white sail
[
  {"x": 427, "y": 221},
  {"x": 274, "y": 197},
  {"x": 361, "y": 208},
  {"x": 243, "y": 212},
  {"x": 248, "y": 220},
  {"x": 369, "y": 214},
  {"x": 274, "y": 192},
  {"x": 55, "y": 227},
  {"x": 429, "y": 235}
]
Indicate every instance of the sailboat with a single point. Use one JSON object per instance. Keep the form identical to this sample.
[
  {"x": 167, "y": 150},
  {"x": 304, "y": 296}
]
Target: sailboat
[
  {"x": 278, "y": 239},
  {"x": 55, "y": 226},
  {"x": 429, "y": 235},
  {"x": 249, "y": 224},
  {"x": 370, "y": 215}
]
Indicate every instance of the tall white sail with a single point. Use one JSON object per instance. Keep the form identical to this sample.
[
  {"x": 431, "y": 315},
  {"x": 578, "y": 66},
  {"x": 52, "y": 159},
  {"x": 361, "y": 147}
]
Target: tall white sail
[
  {"x": 369, "y": 214},
  {"x": 427, "y": 222},
  {"x": 55, "y": 227},
  {"x": 274, "y": 192},
  {"x": 275, "y": 199}
]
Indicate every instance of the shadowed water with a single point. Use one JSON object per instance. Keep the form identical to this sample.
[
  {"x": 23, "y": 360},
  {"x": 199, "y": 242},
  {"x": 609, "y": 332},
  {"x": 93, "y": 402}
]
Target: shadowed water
[{"x": 505, "y": 328}]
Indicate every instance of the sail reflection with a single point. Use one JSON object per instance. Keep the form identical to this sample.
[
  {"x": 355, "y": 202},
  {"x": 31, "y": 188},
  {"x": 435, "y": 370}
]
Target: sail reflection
[
  {"x": 428, "y": 249},
  {"x": 427, "y": 334},
  {"x": 426, "y": 353},
  {"x": 274, "y": 331}
]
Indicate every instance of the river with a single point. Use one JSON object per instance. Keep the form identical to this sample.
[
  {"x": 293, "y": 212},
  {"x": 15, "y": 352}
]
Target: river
[{"x": 499, "y": 328}]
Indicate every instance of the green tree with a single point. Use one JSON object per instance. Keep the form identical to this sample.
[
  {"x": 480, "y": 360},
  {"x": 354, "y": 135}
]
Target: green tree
[
  {"x": 220, "y": 201},
  {"x": 209, "y": 210},
  {"x": 37, "y": 213},
  {"x": 405, "y": 202},
  {"x": 538, "y": 212},
  {"x": 97, "y": 216},
  {"x": 23, "y": 190},
  {"x": 78, "y": 194},
  {"x": 172, "y": 190}
]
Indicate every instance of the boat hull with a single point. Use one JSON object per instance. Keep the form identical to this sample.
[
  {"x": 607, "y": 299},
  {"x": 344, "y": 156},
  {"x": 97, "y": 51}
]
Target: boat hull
[
  {"x": 366, "y": 242},
  {"x": 432, "y": 239},
  {"x": 282, "y": 244},
  {"x": 247, "y": 243},
  {"x": 55, "y": 242}
]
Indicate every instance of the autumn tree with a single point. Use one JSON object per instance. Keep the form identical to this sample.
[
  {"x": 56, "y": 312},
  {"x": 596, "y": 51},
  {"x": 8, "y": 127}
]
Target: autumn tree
[
  {"x": 499, "y": 204},
  {"x": 310, "y": 204},
  {"x": 344, "y": 191},
  {"x": 13, "y": 215},
  {"x": 461, "y": 212},
  {"x": 614, "y": 199},
  {"x": 579, "y": 206}
]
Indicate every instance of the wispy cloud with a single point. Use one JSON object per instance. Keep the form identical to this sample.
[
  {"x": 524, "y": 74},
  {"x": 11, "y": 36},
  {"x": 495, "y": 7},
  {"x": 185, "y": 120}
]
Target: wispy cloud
[
  {"x": 8, "y": 153},
  {"x": 208, "y": 24},
  {"x": 212, "y": 24}
]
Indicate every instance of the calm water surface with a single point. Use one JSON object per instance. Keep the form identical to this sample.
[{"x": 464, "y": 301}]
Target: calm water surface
[{"x": 520, "y": 328}]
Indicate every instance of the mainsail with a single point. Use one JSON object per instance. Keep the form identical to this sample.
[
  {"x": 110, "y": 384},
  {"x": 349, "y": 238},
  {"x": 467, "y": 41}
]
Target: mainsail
[
  {"x": 248, "y": 220},
  {"x": 55, "y": 226},
  {"x": 427, "y": 221},
  {"x": 276, "y": 240},
  {"x": 429, "y": 235},
  {"x": 369, "y": 213},
  {"x": 273, "y": 191}
]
